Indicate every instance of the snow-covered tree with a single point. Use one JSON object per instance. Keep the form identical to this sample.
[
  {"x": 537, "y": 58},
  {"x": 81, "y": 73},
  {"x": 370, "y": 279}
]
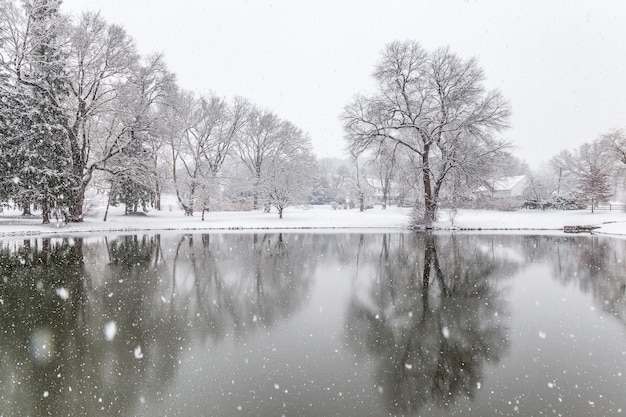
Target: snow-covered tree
[
  {"x": 331, "y": 182},
  {"x": 201, "y": 132},
  {"x": 384, "y": 167},
  {"x": 615, "y": 142},
  {"x": 573, "y": 167},
  {"x": 360, "y": 188},
  {"x": 287, "y": 174},
  {"x": 33, "y": 88},
  {"x": 260, "y": 139},
  {"x": 101, "y": 61},
  {"x": 434, "y": 105},
  {"x": 133, "y": 170},
  {"x": 34, "y": 157},
  {"x": 87, "y": 63},
  {"x": 593, "y": 189}
]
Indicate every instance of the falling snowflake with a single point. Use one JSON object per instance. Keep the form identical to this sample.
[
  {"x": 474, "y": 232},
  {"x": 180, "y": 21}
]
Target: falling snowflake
[
  {"x": 110, "y": 330},
  {"x": 63, "y": 293},
  {"x": 138, "y": 353},
  {"x": 446, "y": 332}
]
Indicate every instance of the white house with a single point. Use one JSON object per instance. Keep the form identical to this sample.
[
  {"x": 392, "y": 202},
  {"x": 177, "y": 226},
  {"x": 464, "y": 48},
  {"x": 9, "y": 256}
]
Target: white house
[
  {"x": 509, "y": 186},
  {"x": 505, "y": 187}
]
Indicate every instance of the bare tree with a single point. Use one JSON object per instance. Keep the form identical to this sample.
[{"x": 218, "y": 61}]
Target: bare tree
[
  {"x": 201, "y": 132},
  {"x": 135, "y": 112},
  {"x": 615, "y": 142},
  {"x": 360, "y": 188},
  {"x": 101, "y": 59},
  {"x": 434, "y": 105},
  {"x": 287, "y": 172},
  {"x": 260, "y": 138},
  {"x": 572, "y": 166},
  {"x": 385, "y": 165}
]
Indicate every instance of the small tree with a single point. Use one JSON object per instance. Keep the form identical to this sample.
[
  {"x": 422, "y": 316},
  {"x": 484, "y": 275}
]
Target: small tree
[
  {"x": 287, "y": 175},
  {"x": 593, "y": 189},
  {"x": 360, "y": 187}
]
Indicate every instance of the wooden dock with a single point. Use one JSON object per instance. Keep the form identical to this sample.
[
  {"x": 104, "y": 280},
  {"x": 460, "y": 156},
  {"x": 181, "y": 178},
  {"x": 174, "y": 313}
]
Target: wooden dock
[{"x": 579, "y": 229}]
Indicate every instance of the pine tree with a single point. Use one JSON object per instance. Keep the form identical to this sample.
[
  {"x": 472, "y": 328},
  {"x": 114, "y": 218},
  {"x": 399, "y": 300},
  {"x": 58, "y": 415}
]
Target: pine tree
[
  {"x": 34, "y": 157},
  {"x": 132, "y": 182},
  {"x": 593, "y": 189},
  {"x": 34, "y": 144}
]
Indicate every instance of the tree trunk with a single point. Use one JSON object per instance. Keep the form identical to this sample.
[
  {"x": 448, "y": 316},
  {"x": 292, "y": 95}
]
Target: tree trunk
[
  {"x": 45, "y": 212},
  {"x": 255, "y": 195},
  {"x": 429, "y": 253},
  {"x": 157, "y": 201},
  {"x": 430, "y": 200},
  {"x": 76, "y": 205},
  {"x": 280, "y": 212},
  {"x": 106, "y": 211},
  {"x": 76, "y": 209}
]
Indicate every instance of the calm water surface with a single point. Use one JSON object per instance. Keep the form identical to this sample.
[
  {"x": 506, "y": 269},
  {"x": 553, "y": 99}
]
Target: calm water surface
[{"x": 313, "y": 325}]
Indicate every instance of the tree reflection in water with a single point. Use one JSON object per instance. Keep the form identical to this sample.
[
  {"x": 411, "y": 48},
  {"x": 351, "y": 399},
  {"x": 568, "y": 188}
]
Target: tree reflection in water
[
  {"x": 432, "y": 317},
  {"x": 237, "y": 283},
  {"x": 594, "y": 263},
  {"x": 35, "y": 321},
  {"x": 98, "y": 328}
]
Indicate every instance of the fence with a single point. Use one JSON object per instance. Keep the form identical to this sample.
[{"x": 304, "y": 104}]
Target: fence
[{"x": 610, "y": 206}]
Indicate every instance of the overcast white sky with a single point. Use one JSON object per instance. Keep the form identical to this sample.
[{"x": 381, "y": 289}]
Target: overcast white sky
[{"x": 561, "y": 64}]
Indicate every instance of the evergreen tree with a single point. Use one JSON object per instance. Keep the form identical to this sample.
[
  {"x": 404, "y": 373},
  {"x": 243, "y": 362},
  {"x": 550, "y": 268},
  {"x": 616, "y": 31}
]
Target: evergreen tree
[
  {"x": 34, "y": 155},
  {"x": 132, "y": 183},
  {"x": 34, "y": 145},
  {"x": 593, "y": 188}
]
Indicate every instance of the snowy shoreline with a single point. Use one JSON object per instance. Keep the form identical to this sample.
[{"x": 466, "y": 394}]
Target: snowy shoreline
[{"x": 315, "y": 219}]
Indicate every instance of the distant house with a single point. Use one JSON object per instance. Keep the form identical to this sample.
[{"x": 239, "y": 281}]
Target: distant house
[{"x": 506, "y": 187}]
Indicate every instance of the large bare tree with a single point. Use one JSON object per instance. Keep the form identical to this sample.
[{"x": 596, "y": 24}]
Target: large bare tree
[
  {"x": 201, "y": 132},
  {"x": 261, "y": 138},
  {"x": 102, "y": 60},
  {"x": 434, "y": 105}
]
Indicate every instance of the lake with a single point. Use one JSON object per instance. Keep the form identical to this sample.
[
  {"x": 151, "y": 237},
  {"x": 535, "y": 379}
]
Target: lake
[{"x": 313, "y": 324}]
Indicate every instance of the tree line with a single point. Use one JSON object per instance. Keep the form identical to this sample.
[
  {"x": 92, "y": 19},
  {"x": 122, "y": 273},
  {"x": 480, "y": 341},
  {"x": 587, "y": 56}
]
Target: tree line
[
  {"x": 81, "y": 108},
  {"x": 432, "y": 119},
  {"x": 587, "y": 176}
]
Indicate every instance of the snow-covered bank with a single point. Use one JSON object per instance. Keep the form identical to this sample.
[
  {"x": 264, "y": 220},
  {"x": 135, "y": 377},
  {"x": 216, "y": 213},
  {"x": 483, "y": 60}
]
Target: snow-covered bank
[{"x": 318, "y": 217}]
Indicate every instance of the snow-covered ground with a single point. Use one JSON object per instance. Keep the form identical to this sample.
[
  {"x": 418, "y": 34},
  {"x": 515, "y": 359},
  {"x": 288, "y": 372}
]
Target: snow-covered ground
[{"x": 315, "y": 217}]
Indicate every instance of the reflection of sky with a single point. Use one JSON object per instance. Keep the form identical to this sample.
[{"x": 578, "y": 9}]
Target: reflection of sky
[
  {"x": 565, "y": 351},
  {"x": 300, "y": 365},
  {"x": 557, "y": 337}
]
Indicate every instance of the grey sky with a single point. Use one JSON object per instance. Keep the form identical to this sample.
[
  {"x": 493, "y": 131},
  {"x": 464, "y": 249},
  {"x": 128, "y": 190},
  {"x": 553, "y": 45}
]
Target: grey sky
[{"x": 561, "y": 64}]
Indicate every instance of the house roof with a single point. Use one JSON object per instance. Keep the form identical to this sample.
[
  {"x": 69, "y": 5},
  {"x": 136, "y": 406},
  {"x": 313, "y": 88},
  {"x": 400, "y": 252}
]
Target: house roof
[{"x": 507, "y": 183}]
